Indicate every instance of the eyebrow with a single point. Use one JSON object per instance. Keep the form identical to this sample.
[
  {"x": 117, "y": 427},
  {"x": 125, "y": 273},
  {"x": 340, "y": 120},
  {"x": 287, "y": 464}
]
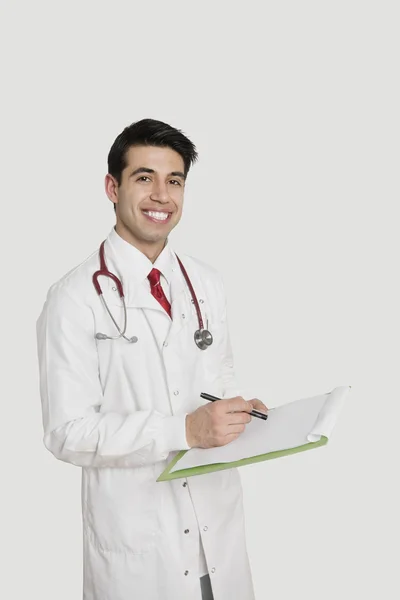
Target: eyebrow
[{"x": 147, "y": 170}]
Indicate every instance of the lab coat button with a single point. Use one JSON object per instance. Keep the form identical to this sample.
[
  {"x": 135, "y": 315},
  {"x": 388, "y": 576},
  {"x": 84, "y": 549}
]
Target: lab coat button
[
  {"x": 183, "y": 316},
  {"x": 186, "y": 572},
  {"x": 176, "y": 392},
  {"x": 186, "y": 530},
  {"x": 205, "y": 528},
  {"x": 165, "y": 344},
  {"x": 213, "y": 570}
]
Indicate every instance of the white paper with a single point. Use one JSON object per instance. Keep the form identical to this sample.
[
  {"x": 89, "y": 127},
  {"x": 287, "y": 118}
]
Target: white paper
[
  {"x": 328, "y": 414},
  {"x": 288, "y": 426}
]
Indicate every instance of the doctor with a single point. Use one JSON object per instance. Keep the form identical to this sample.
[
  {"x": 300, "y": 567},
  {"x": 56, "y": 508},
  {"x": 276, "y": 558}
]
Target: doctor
[{"x": 121, "y": 408}]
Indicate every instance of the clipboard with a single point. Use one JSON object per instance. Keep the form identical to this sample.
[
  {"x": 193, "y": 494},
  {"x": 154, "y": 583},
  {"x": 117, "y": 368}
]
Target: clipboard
[{"x": 291, "y": 428}]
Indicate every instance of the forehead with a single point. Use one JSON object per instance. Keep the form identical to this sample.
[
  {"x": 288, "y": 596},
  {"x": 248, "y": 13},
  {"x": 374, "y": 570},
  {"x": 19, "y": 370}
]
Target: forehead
[{"x": 153, "y": 157}]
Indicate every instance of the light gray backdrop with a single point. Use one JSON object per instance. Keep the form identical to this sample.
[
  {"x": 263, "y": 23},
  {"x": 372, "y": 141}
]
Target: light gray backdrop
[{"x": 293, "y": 107}]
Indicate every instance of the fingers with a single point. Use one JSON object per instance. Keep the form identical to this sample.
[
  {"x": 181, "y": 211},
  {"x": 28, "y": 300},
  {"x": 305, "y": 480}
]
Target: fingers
[
  {"x": 235, "y": 428},
  {"x": 238, "y": 418},
  {"x": 258, "y": 405},
  {"x": 228, "y": 419},
  {"x": 237, "y": 404}
]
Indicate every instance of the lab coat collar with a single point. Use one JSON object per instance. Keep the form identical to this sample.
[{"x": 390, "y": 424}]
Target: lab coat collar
[
  {"x": 137, "y": 263},
  {"x": 133, "y": 267}
]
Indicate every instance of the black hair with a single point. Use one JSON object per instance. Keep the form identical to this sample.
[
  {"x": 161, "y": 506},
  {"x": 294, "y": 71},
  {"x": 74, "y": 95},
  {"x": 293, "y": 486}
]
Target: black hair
[{"x": 149, "y": 132}]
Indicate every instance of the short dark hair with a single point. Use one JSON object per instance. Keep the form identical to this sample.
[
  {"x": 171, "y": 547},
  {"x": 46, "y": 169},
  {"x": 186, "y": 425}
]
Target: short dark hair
[{"x": 149, "y": 132}]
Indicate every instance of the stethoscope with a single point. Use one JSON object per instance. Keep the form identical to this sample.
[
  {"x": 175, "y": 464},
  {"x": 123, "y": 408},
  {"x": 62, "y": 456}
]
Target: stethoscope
[{"x": 202, "y": 337}]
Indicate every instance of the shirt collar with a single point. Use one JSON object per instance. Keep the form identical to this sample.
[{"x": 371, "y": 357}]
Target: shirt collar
[{"x": 138, "y": 262}]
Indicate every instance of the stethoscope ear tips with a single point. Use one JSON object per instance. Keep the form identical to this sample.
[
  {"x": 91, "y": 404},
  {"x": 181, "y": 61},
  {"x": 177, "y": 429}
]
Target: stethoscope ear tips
[
  {"x": 100, "y": 336},
  {"x": 103, "y": 336}
]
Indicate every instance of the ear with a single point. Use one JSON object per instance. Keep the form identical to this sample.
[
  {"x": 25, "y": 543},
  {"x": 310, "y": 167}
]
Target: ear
[{"x": 111, "y": 187}]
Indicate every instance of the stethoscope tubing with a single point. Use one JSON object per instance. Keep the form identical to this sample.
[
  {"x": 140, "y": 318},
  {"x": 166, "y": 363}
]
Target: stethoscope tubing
[
  {"x": 192, "y": 293},
  {"x": 203, "y": 338}
]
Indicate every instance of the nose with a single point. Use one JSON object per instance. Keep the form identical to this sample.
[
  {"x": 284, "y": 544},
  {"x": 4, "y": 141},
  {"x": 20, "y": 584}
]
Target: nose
[{"x": 159, "y": 192}]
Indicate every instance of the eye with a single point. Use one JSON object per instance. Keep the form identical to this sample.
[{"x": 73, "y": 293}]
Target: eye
[
  {"x": 143, "y": 177},
  {"x": 175, "y": 181}
]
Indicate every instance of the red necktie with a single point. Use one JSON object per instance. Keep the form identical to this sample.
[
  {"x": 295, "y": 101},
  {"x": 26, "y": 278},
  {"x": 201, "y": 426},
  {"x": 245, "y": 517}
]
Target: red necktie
[{"x": 157, "y": 291}]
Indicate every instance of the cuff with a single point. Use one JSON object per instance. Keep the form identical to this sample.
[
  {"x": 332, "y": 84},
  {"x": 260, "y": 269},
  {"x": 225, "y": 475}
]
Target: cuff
[{"x": 174, "y": 433}]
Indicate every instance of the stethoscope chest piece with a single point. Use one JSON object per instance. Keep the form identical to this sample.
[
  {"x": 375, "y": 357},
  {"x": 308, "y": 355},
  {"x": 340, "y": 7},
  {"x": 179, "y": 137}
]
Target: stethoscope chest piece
[{"x": 203, "y": 338}]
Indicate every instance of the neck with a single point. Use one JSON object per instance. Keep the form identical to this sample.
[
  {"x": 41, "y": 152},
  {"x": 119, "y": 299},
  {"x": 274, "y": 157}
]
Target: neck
[{"x": 150, "y": 249}]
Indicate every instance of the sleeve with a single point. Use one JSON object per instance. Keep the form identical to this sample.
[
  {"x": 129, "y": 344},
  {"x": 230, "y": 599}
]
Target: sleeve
[
  {"x": 75, "y": 429},
  {"x": 230, "y": 384}
]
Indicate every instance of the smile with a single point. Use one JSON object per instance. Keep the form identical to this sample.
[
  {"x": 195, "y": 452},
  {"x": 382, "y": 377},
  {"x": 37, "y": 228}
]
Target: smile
[{"x": 157, "y": 217}]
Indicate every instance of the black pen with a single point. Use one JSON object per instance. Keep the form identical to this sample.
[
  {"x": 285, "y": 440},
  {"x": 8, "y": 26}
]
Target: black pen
[{"x": 254, "y": 413}]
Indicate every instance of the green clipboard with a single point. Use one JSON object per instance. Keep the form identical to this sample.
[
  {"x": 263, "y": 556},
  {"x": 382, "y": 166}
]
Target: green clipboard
[{"x": 166, "y": 475}]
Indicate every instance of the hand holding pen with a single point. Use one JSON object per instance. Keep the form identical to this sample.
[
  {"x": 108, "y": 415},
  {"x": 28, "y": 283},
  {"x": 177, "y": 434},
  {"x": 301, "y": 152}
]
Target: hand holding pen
[
  {"x": 254, "y": 402},
  {"x": 222, "y": 421}
]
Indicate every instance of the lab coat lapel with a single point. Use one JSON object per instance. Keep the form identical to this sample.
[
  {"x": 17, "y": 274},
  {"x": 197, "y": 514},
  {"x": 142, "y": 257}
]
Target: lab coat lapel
[
  {"x": 138, "y": 295},
  {"x": 141, "y": 297},
  {"x": 180, "y": 303},
  {"x": 131, "y": 268}
]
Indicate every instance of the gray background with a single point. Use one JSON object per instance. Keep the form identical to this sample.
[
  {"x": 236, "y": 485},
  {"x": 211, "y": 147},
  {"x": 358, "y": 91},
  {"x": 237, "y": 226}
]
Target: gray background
[{"x": 293, "y": 107}]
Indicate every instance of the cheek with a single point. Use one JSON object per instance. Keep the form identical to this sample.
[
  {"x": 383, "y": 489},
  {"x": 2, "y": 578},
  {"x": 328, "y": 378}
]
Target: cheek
[
  {"x": 178, "y": 215},
  {"x": 177, "y": 198},
  {"x": 132, "y": 202}
]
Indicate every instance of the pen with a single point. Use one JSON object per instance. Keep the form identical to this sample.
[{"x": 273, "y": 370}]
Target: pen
[{"x": 254, "y": 413}]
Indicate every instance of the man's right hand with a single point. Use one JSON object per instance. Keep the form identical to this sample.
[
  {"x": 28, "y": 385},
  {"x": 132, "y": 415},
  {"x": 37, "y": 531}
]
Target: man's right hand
[{"x": 217, "y": 423}]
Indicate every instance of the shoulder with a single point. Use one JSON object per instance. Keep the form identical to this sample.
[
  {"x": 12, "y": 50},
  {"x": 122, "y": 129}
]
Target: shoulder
[
  {"x": 203, "y": 269},
  {"x": 209, "y": 276},
  {"x": 76, "y": 285}
]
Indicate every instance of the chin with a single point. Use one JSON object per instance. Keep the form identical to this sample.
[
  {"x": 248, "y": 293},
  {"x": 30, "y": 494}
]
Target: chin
[{"x": 155, "y": 237}]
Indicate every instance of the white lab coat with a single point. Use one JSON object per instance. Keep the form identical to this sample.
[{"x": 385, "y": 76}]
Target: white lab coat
[{"x": 117, "y": 409}]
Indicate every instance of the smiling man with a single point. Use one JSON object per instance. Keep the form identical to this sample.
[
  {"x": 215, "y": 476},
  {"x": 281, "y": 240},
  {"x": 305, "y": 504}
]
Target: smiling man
[
  {"x": 120, "y": 379},
  {"x": 148, "y": 200}
]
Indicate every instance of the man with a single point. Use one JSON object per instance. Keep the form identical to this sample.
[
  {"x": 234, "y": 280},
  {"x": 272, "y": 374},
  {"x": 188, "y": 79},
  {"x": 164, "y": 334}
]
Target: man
[{"x": 121, "y": 408}]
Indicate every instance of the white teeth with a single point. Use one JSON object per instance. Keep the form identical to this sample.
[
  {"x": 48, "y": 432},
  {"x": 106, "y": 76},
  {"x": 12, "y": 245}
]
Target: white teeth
[{"x": 156, "y": 215}]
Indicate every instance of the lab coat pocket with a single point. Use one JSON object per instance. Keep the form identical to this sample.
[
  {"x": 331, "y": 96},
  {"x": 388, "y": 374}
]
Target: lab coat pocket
[
  {"x": 211, "y": 357},
  {"x": 120, "y": 509}
]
